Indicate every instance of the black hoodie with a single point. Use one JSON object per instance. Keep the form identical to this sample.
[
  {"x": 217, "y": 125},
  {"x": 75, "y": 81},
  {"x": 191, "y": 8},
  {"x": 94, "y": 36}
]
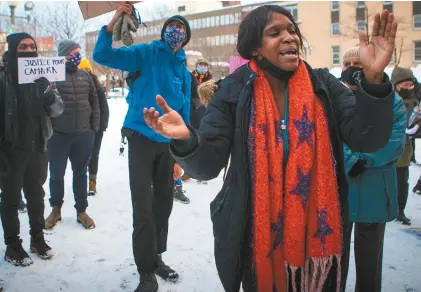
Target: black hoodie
[{"x": 27, "y": 106}]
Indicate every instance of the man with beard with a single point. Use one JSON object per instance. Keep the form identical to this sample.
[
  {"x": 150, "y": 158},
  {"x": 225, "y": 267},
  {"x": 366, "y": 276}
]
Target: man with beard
[
  {"x": 367, "y": 174},
  {"x": 158, "y": 68},
  {"x": 25, "y": 127},
  {"x": 403, "y": 81}
]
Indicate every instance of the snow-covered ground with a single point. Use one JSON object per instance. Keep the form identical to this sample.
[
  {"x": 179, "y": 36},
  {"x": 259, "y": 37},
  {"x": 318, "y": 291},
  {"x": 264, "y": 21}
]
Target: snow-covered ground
[{"x": 100, "y": 260}]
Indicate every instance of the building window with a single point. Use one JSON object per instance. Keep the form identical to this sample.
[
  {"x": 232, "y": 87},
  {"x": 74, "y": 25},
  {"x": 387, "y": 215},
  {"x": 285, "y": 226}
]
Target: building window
[
  {"x": 417, "y": 51},
  {"x": 361, "y": 25},
  {"x": 237, "y": 17},
  {"x": 417, "y": 21},
  {"x": 227, "y": 19},
  {"x": 218, "y": 40},
  {"x": 416, "y": 11},
  {"x": 334, "y": 6},
  {"x": 336, "y": 29},
  {"x": 388, "y": 5},
  {"x": 336, "y": 57},
  {"x": 360, "y": 4},
  {"x": 182, "y": 8},
  {"x": 293, "y": 9},
  {"x": 222, "y": 20},
  {"x": 208, "y": 22},
  {"x": 213, "y": 21}
]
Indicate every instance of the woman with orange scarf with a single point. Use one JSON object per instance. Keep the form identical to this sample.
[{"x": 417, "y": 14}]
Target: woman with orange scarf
[{"x": 279, "y": 217}]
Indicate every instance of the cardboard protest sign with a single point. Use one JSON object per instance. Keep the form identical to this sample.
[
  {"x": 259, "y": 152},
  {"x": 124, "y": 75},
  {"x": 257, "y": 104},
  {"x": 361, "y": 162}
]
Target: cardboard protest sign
[{"x": 52, "y": 68}]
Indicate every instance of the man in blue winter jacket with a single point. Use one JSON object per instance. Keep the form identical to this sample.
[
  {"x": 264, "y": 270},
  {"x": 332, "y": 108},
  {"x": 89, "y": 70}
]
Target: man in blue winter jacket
[
  {"x": 372, "y": 189},
  {"x": 158, "y": 68}
]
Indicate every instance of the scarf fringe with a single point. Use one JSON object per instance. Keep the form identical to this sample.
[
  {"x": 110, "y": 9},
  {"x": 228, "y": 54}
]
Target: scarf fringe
[{"x": 314, "y": 274}]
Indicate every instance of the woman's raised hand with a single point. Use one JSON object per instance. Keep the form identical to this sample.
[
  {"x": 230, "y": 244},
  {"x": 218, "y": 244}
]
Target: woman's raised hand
[{"x": 375, "y": 54}]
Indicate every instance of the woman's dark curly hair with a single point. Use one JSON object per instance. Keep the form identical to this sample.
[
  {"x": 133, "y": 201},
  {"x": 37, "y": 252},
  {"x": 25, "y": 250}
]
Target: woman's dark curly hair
[{"x": 250, "y": 32}]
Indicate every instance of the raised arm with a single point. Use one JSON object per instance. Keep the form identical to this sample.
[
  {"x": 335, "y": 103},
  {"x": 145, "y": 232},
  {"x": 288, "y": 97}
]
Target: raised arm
[
  {"x": 125, "y": 58},
  {"x": 396, "y": 145},
  {"x": 366, "y": 118}
]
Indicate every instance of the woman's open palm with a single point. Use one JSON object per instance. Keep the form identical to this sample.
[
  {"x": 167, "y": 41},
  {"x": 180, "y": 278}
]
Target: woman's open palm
[
  {"x": 375, "y": 55},
  {"x": 169, "y": 125}
]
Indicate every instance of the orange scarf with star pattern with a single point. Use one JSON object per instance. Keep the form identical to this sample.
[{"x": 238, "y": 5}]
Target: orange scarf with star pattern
[{"x": 296, "y": 212}]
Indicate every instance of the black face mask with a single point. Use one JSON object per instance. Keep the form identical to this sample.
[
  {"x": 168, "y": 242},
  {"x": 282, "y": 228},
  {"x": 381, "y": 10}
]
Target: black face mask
[
  {"x": 27, "y": 54},
  {"x": 349, "y": 75},
  {"x": 406, "y": 93},
  {"x": 276, "y": 72}
]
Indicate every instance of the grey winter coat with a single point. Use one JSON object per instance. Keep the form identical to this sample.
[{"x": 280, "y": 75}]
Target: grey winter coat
[{"x": 81, "y": 100}]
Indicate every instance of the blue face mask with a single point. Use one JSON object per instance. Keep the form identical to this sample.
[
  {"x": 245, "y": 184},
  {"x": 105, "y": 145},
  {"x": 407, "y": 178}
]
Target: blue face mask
[
  {"x": 202, "y": 69},
  {"x": 174, "y": 37},
  {"x": 75, "y": 59}
]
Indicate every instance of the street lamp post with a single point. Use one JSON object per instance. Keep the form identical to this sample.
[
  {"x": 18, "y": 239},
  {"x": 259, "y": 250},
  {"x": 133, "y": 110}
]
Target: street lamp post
[{"x": 12, "y": 6}]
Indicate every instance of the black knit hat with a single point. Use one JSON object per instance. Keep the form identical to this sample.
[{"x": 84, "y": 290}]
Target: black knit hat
[
  {"x": 14, "y": 39},
  {"x": 181, "y": 20}
]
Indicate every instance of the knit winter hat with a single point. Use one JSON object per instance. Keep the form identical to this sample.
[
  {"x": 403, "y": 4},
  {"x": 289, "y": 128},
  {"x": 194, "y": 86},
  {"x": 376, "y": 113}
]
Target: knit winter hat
[
  {"x": 202, "y": 60},
  {"x": 181, "y": 20},
  {"x": 400, "y": 74},
  {"x": 85, "y": 65},
  {"x": 14, "y": 39},
  {"x": 351, "y": 53},
  {"x": 65, "y": 47}
]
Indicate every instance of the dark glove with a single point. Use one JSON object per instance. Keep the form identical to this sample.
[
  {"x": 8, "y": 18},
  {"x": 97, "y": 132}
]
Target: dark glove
[
  {"x": 44, "y": 87},
  {"x": 358, "y": 168}
]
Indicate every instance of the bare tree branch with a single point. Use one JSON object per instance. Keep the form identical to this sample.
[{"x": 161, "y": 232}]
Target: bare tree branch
[{"x": 60, "y": 21}]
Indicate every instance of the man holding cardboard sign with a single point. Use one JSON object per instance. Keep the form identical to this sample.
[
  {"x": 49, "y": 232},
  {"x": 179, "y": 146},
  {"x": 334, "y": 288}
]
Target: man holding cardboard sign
[{"x": 25, "y": 127}]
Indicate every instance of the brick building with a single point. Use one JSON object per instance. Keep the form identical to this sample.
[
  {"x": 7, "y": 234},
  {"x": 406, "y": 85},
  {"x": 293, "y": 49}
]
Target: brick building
[{"x": 329, "y": 27}]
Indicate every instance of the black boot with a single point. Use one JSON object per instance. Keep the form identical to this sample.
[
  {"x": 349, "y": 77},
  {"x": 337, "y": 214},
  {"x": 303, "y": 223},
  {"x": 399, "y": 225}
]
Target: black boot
[
  {"x": 417, "y": 188},
  {"x": 403, "y": 219},
  {"x": 165, "y": 272},
  {"x": 147, "y": 283},
  {"x": 180, "y": 196},
  {"x": 40, "y": 247},
  {"x": 16, "y": 255}
]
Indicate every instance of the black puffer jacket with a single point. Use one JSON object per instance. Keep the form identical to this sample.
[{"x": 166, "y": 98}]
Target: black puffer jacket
[
  {"x": 361, "y": 120},
  {"x": 103, "y": 104},
  {"x": 81, "y": 100}
]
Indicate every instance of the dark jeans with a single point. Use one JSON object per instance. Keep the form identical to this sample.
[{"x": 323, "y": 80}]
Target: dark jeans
[
  {"x": 28, "y": 171},
  {"x": 78, "y": 149},
  {"x": 413, "y": 147},
  {"x": 368, "y": 253},
  {"x": 150, "y": 162},
  {"x": 93, "y": 165},
  {"x": 403, "y": 185}
]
